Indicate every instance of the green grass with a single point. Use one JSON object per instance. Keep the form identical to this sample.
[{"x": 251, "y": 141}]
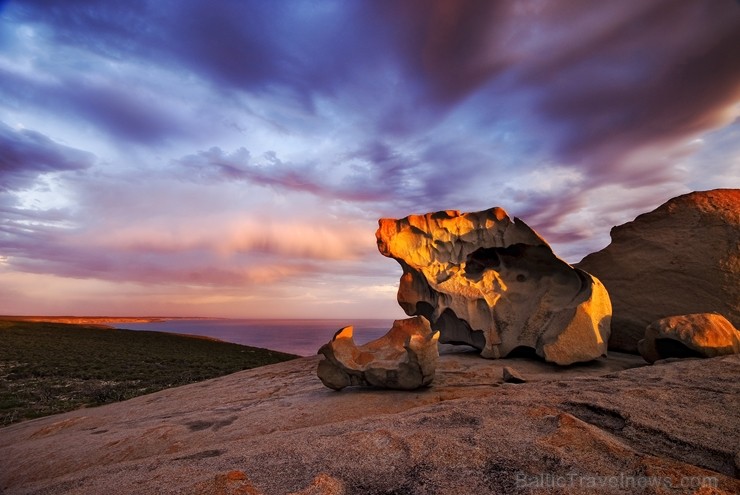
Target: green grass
[{"x": 48, "y": 368}]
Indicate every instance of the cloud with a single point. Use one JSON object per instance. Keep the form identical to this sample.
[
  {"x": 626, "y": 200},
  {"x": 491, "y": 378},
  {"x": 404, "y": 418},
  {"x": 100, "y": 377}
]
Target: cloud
[
  {"x": 252, "y": 46},
  {"x": 131, "y": 112},
  {"x": 289, "y": 239},
  {"x": 368, "y": 174},
  {"x": 385, "y": 176},
  {"x": 130, "y": 115},
  {"x": 660, "y": 74},
  {"x": 595, "y": 81},
  {"x": 606, "y": 77},
  {"x": 144, "y": 259},
  {"x": 25, "y": 154},
  {"x": 215, "y": 164},
  {"x": 147, "y": 228},
  {"x": 251, "y": 146}
]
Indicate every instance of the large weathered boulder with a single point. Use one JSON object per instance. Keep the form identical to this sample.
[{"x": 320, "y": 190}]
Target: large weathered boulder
[
  {"x": 405, "y": 358},
  {"x": 683, "y": 257},
  {"x": 491, "y": 282},
  {"x": 696, "y": 335}
]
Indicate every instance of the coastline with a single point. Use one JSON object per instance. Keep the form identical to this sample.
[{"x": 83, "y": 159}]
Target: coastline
[
  {"x": 302, "y": 337},
  {"x": 53, "y": 367},
  {"x": 102, "y": 320}
]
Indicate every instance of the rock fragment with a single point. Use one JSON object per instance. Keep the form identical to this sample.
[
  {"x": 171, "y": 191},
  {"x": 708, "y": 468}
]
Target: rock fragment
[
  {"x": 513, "y": 376},
  {"x": 405, "y": 358},
  {"x": 695, "y": 335}
]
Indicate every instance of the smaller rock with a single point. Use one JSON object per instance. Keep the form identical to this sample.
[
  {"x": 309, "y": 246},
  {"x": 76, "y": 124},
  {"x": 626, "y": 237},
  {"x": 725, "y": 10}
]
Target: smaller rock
[
  {"x": 231, "y": 483},
  {"x": 236, "y": 476},
  {"x": 323, "y": 484},
  {"x": 405, "y": 358},
  {"x": 513, "y": 376},
  {"x": 695, "y": 335}
]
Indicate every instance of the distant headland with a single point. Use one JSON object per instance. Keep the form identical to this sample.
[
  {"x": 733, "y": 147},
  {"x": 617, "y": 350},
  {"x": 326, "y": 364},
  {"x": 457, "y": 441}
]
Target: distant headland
[{"x": 102, "y": 320}]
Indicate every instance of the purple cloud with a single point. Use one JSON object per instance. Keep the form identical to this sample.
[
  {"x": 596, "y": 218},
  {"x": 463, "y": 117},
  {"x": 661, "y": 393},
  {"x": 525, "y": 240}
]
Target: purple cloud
[
  {"x": 271, "y": 171},
  {"x": 26, "y": 154},
  {"x": 224, "y": 136},
  {"x": 302, "y": 47},
  {"x": 614, "y": 94}
]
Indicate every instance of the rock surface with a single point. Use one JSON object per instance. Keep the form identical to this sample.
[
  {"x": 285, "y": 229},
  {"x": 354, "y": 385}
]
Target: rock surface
[
  {"x": 277, "y": 429},
  {"x": 486, "y": 280},
  {"x": 696, "y": 335},
  {"x": 404, "y": 359},
  {"x": 683, "y": 257}
]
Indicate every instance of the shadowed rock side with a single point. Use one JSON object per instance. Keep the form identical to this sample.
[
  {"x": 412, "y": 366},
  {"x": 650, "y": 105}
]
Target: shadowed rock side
[
  {"x": 697, "y": 335},
  {"x": 488, "y": 281},
  {"x": 404, "y": 359},
  {"x": 681, "y": 258}
]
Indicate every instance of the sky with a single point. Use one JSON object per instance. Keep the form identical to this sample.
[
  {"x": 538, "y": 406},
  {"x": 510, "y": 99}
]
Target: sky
[{"x": 232, "y": 158}]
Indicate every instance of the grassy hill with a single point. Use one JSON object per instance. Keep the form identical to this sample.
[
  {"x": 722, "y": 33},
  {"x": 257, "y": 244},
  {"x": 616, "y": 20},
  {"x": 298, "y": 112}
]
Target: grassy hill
[{"x": 48, "y": 368}]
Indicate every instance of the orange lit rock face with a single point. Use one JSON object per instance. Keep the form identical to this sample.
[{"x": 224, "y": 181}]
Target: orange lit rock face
[
  {"x": 694, "y": 335},
  {"x": 486, "y": 280},
  {"x": 681, "y": 258},
  {"x": 405, "y": 358}
]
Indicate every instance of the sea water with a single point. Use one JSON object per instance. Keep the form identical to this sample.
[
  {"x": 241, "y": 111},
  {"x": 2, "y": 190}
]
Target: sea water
[{"x": 302, "y": 337}]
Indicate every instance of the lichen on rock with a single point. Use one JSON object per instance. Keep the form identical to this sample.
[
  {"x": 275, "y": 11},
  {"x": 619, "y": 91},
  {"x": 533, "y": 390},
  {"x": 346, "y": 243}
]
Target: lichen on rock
[{"x": 489, "y": 281}]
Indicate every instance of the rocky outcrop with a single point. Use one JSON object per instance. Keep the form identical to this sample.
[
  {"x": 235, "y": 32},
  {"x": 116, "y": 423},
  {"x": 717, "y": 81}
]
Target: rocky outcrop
[
  {"x": 698, "y": 335},
  {"x": 277, "y": 430},
  {"x": 491, "y": 282},
  {"x": 405, "y": 358},
  {"x": 683, "y": 257}
]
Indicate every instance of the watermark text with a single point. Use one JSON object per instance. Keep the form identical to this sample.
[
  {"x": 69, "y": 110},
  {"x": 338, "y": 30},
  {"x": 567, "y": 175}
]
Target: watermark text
[{"x": 621, "y": 481}]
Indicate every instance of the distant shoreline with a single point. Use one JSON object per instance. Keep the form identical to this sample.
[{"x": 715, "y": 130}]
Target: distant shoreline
[
  {"x": 301, "y": 337},
  {"x": 52, "y": 367},
  {"x": 102, "y": 320}
]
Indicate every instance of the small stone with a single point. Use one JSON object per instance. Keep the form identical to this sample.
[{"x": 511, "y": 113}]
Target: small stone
[
  {"x": 231, "y": 483},
  {"x": 236, "y": 475},
  {"x": 513, "y": 376},
  {"x": 323, "y": 484}
]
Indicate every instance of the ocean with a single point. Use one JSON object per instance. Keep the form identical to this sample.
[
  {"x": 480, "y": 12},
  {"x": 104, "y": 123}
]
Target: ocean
[{"x": 302, "y": 337}]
